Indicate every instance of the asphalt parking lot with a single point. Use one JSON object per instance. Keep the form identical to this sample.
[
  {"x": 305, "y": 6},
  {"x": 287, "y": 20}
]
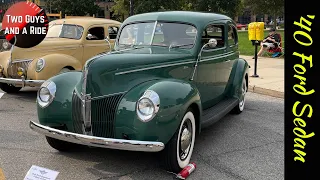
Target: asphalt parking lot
[{"x": 249, "y": 146}]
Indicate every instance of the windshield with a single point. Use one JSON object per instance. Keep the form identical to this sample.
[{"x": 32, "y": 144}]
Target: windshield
[
  {"x": 68, "y": 31},
  {"x": 159, "y": 34}
]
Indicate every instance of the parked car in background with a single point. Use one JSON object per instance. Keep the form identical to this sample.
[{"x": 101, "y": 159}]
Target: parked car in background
[
  {"x": 154, "y": 92},
  {"x": 69, "y": 43},
  {"x": 241, "y": 26}
]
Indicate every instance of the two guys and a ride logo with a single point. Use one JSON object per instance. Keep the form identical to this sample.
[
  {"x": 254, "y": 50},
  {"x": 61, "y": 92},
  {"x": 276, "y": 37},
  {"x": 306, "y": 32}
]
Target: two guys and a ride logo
[{"x": 25, "y": 25}]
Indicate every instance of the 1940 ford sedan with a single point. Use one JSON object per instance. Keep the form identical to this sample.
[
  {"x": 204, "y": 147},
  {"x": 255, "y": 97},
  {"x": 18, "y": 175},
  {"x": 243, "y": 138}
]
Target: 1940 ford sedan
[{"x": 171, "y": 74}]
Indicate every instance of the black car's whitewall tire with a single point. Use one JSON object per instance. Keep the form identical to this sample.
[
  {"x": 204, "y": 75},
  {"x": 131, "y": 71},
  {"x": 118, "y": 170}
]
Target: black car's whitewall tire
[{"x": 178, "y": 151}]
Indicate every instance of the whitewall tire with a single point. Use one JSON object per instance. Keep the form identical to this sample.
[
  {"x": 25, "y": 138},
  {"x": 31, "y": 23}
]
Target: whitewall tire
[
  {"x": 240, "y": 107},
  {"x": 178, "y": 151}
]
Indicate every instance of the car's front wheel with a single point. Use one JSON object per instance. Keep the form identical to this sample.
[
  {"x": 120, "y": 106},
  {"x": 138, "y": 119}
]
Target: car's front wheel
[
  {"x": 8, "y": 88},
  {"x": 178, "y": 151},
  {"x": 61, "y": 145}
]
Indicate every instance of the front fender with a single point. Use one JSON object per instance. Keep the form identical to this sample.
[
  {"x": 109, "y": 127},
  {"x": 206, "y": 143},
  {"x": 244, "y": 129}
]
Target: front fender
[
  {"x": 175, "y": 97},
  {"x": 59, "y": 112},
  {"x": 53, "y": 65},
  {"x": 4, "y": 60},
  {"x": 239, "y": 70}
]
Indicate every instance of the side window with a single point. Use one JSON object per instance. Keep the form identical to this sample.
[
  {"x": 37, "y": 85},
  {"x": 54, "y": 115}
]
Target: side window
[
  {"x": 216, "y": 32},
  {"x": 232, "y": 36},
  {"x": 96, "y": 33},
  {"x": 113, "y": 31}
]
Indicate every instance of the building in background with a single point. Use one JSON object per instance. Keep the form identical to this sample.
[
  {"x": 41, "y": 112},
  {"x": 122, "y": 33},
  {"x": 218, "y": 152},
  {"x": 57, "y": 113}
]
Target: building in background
[
  {"x": 105, "y": 8},
  {"x": 248, "y": 17}
]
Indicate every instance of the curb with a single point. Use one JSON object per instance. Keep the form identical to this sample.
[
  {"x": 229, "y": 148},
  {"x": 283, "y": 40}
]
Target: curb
[{"x": 267, "y": 92}]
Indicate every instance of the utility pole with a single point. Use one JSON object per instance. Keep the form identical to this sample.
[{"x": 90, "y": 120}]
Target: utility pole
[{"x": 131, "y": 7}]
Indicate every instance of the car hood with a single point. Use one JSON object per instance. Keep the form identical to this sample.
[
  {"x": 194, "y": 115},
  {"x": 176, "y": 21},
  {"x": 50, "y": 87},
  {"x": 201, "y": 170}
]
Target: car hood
[
  {"x": 47, "y": 46},
  {"x": 120, "y": 71}
]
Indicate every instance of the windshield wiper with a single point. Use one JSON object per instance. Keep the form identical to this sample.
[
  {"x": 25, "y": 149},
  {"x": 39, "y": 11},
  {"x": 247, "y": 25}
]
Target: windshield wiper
[
  {"x": 178, "y": 46},
  {"x": 129, "y": 45}
]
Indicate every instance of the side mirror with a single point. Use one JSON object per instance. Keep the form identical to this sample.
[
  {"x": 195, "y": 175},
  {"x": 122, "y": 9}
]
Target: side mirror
[
  {"x": 89, "y": 36},
  {"x": 107, "y": 40},
  {"x": 212, "y": 43}
]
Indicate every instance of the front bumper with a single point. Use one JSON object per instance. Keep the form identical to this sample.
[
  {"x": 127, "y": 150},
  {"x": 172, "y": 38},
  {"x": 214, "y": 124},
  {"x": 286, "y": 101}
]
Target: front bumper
[
  {"x": 22, "y": 82},
  {"x": 131, "y": 145}
]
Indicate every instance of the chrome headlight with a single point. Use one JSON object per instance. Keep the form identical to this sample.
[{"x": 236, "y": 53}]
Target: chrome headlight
[
  {"x": 40, "y": 65},
  {"x": 148, "y": 106},
  {"x": 6, "y": 45},
  {"x": 46, "y": 93}
]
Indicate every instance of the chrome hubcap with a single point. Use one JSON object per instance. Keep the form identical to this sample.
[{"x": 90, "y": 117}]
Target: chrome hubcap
[
  {"x": 243, "y": 92},
  {"x": 185, "y": 139}
]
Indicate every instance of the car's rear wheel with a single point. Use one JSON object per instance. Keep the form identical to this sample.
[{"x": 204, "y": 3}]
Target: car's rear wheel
[
  {"x": 61, "y": 145},
  {"x": 63, "y": 70},
  {"x": 240, "y": 107},
  {"x": 8, "y": 88},
  {"x": 178, "y": 151}
]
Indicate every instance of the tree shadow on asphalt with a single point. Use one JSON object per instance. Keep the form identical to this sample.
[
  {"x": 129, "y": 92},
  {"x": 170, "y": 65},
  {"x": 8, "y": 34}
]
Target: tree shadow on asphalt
[{"x": 28, "y": 94}]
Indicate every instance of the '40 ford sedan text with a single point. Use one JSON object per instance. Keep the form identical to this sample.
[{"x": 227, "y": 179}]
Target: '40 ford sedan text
[{"x": 171, "y": 74}]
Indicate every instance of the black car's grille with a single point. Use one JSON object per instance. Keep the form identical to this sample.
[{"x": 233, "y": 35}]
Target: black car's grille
[{"x": 103, "y": 113}]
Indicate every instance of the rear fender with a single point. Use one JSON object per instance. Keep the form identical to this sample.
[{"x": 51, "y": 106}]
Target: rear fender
[{"x": 240, "y": 69}]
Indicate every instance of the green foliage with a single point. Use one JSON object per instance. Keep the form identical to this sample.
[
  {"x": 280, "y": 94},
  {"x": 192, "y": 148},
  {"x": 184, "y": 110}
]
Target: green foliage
[
  {"x": 73, "y": 7},
  {"x": 230, "y": 7},
  {"x": 121, "y": 9},
  {"x": 272, "y": 7},
  {"x": 245, "y": 46}
]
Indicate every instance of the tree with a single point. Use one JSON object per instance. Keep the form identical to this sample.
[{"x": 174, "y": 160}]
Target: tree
[
  {"x": 121, "y": 8},
  {"x": 73, "y": 7},
  {"x": 273, "y": 7},
  {"x": 230, "y": 8}
]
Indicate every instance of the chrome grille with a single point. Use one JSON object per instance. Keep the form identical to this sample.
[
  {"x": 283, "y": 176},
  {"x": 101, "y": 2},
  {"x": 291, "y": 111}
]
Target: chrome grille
[
  {"x": 12, "y": 70},
  {"x": 103, "y": 112},
  {"x": 76, "y": 113}
]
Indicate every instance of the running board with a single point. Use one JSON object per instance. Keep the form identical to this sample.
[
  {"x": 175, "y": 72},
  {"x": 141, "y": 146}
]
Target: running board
[{"x": 215, "y": 113}]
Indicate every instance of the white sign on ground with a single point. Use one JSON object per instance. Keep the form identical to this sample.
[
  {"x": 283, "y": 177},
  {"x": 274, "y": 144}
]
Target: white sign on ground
[
  {"x": 40, "y": 173},
  {"x": 1, "y": 94}
]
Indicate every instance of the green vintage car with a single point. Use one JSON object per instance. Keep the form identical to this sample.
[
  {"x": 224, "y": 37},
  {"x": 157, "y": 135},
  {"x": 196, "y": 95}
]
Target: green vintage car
[{"x": 171, "y": 74}]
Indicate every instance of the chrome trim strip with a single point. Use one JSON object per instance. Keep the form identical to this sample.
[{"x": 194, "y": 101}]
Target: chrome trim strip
[
  {"x": 121, "y": 144},
  {"x": 175, "y": 64},
  {"x": 22, "y": 82},
  {"x": 55, "y": 48},
  {"x": 86, "y": 105},
  {"x": 108, "y": 95},
  {"x": 217, "y": 57},
  {"x": 20, "y": 60},
  {"x": 153, "y": 67}
]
